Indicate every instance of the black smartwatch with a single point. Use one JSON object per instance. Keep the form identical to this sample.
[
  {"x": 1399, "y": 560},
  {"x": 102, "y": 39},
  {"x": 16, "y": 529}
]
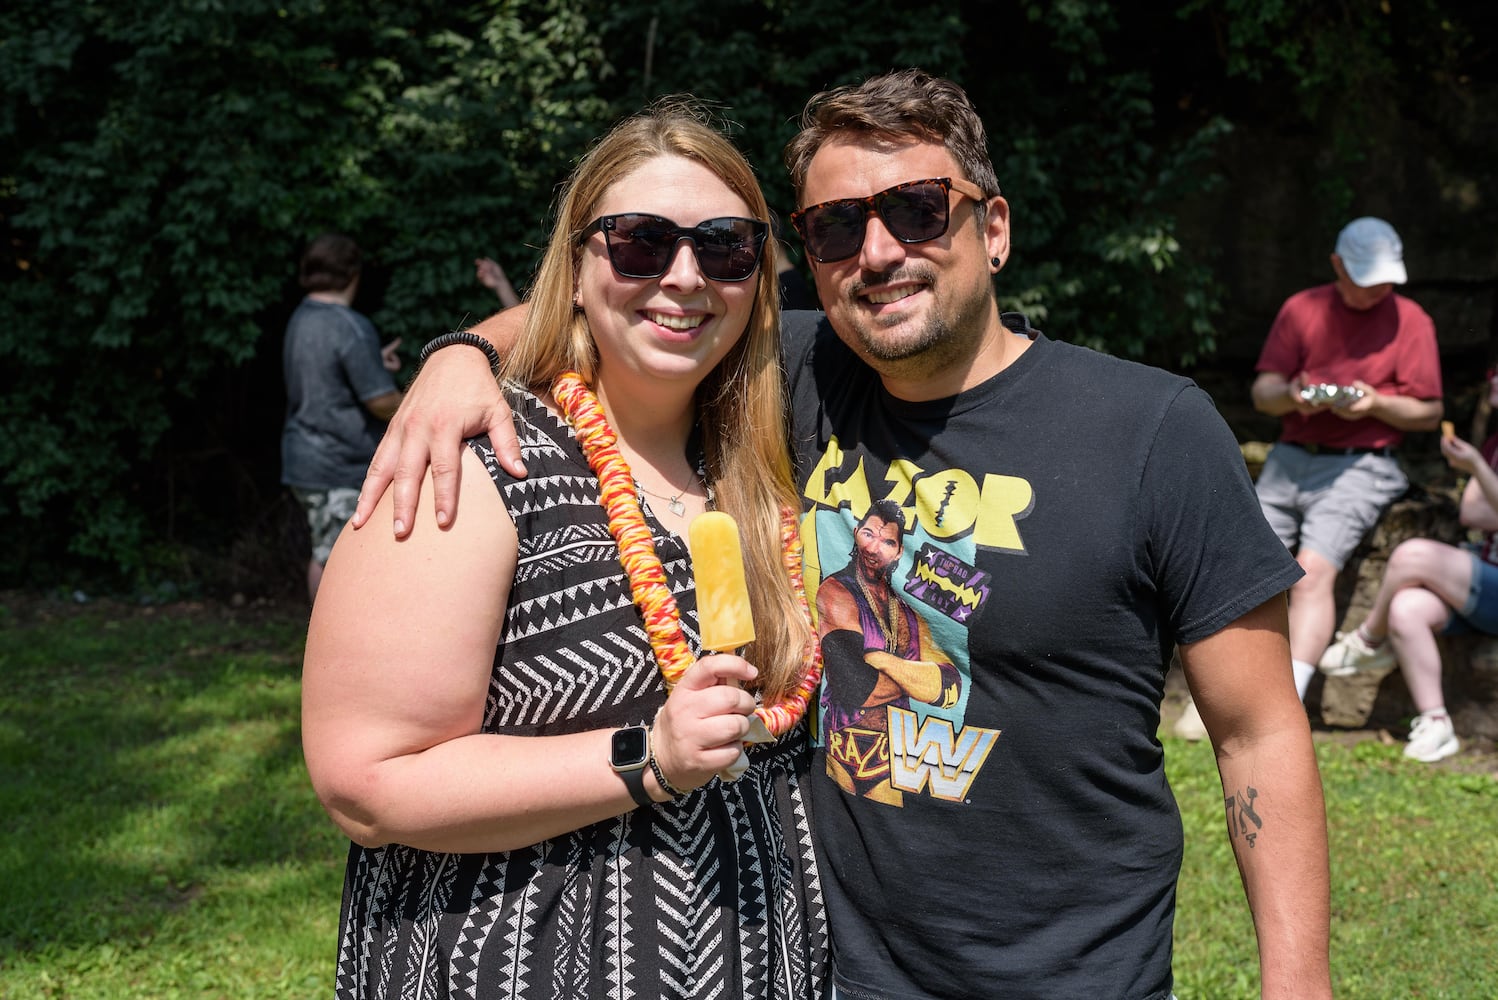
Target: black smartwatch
[{"x": 629, "y": 753}]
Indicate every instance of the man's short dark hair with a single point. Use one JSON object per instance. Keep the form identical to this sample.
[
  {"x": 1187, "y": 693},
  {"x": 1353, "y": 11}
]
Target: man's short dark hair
[
  {"x": 329, "y": 263},
  {"x": 907, "y": 105}
]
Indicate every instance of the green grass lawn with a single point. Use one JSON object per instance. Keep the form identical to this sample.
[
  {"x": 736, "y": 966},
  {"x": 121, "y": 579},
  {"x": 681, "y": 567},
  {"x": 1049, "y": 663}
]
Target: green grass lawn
[
  {"x": 1414, "y": 858},
  {"x": 161, "y": 840}
]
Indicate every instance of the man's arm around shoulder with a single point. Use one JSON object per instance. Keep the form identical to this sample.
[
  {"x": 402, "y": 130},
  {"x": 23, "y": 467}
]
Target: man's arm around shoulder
[{"x": 454, "y": 396}]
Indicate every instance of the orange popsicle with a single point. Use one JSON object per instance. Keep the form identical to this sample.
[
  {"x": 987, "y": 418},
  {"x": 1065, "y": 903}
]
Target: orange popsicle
[
  {"x": 723, "y": 611},
  {"x": 1448, "y": 429}
]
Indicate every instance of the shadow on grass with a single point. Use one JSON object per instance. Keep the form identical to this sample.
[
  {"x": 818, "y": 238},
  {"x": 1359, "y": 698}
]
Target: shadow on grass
[{"x": 150, "y": 762}]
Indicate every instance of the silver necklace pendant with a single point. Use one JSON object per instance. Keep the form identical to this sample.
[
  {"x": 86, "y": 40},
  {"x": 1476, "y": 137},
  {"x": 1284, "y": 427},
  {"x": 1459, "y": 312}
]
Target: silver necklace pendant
[{"x": 674, "y": 504}]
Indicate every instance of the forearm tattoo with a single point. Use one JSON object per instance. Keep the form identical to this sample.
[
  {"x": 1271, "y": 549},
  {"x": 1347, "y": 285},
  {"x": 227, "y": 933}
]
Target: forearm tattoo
[{"x": 1243, "y": 820}]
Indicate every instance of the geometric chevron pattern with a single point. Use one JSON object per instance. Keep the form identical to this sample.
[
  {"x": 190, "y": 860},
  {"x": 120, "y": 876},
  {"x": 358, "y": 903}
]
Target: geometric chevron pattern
[{"x": 714, "y": 896}]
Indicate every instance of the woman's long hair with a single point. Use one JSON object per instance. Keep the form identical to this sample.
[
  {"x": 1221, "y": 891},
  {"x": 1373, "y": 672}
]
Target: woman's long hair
[{"x": 741, "y": 404}]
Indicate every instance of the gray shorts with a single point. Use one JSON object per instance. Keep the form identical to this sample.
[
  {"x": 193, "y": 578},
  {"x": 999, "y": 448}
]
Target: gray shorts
[
  {"x": 327, "y": 512},
  {"x": 1326, "y": 503}
]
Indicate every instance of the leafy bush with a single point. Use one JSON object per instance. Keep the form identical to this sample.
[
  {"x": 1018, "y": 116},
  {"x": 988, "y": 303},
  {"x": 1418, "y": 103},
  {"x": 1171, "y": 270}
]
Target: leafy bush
[{"x": 162, "y": 166}]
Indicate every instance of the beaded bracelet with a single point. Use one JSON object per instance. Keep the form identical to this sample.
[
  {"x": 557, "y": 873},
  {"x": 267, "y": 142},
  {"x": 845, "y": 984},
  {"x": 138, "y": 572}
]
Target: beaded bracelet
[
  {"x": 660, "y": 779},
  {"x": 460, "y": 337}
]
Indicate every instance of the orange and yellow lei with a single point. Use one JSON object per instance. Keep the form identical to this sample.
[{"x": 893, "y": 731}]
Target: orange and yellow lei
[{"x": 647, "y": 577}]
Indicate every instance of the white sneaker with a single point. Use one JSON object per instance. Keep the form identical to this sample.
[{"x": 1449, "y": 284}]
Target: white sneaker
[
  {"x": 1432, "y": 738},
  {"x": 1351, "y": 654},
  {"x": 1190, "y": 726}
]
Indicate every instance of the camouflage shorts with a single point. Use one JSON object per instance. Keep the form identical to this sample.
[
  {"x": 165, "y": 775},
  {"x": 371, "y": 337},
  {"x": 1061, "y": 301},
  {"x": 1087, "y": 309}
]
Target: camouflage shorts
[{"x": 327, "y": 512}]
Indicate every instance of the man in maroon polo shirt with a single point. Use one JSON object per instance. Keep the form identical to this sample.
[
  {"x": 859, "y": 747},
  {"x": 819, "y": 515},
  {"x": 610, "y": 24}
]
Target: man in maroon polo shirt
[{"x": 1349, "y": 367}]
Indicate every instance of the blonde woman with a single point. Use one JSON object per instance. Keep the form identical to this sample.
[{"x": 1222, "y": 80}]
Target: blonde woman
[{"x": 510, "y": 715}]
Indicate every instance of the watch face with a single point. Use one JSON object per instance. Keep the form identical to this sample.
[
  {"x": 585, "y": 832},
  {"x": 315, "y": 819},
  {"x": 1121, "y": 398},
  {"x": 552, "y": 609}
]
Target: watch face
[{"x": 630, "y": 747}]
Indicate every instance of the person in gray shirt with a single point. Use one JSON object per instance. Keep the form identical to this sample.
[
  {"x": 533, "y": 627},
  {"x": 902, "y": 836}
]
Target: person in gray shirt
[{"x": 339, "y": 393}]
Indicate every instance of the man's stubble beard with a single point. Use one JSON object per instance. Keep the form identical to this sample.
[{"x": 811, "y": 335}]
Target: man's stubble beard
[{"x": 942, "y": 342}]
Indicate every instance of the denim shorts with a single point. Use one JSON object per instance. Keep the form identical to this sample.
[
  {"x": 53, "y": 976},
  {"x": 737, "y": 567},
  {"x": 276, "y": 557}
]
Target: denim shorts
[{"x": 1480, "y": 613}]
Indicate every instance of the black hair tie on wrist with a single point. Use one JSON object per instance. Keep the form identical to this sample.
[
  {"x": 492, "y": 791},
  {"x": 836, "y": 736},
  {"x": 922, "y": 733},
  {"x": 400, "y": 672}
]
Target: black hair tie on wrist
[{"x": 465, "y": 337}]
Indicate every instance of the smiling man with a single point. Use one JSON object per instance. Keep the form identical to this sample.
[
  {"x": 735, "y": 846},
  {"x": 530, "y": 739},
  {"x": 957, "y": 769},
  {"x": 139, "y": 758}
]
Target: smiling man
[
  {"x": 1059, "y": 508},
  {"x": 1053, "y": 519}
]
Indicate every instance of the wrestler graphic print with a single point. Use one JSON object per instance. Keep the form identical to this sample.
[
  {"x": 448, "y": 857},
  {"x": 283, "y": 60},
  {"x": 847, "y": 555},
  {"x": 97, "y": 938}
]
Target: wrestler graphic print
[{"x": 893, "y": 599}]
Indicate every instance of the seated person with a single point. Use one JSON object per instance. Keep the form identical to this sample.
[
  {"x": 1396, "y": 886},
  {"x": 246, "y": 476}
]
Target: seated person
[
  {"x": 1429, "y": 589},
  {"x": 1349, "y": 367}
]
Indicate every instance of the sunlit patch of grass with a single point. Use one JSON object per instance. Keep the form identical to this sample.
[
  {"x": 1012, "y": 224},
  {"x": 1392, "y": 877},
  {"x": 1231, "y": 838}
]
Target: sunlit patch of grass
[
  {"x": 1414, "y": 859},
  {"x": 162, "y": 840}
]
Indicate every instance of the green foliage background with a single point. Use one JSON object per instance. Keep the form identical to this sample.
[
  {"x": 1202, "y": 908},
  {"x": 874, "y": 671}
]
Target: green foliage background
[{"x": 162, "y": 165}]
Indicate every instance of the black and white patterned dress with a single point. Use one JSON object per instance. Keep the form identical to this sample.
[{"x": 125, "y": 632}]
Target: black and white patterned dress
[{"x": 716, "y": 895}]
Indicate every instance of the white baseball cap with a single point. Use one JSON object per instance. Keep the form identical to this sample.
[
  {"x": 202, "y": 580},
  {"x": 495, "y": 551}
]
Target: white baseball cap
[{"x": 1371, "y": 252}]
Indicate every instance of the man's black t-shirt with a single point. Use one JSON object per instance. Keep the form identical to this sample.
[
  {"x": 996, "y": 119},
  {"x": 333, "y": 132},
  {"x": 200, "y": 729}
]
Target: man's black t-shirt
[{"x": 1068, "y": 522}]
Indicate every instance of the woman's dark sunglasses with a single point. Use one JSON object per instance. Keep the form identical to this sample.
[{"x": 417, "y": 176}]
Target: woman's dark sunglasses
[
  {"x": 913, "y": 212},
  {"x": 642, "y": 246}
]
